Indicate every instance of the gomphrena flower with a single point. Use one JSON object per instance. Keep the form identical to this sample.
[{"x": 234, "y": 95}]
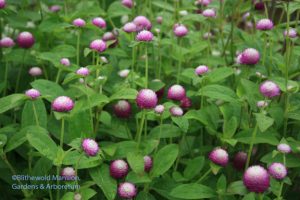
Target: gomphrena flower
[
  {"x": 107, "y": 36},
  {"x": 176, "y": 92},
  {"x": 122, "y": 109},
  {"x": 129, "y": 27},
  {"x": 159, "y": 19},
  {"x": 185, "y": 103},
  {"x": 159, "y": 109},
  {"x": 99, "y": 22},
  {"x": 180, "y": 30},
  {"x": 83, "y": 71},
  {"x": 55, "y": 8},
  {"x": 68, "y": 173},
  {"x": 146, "y": 99},
  {"x": 262, "y": 104},
  {"x": 147, "y": 163},
  {"x": 79, "y": 22},
  {"x": 207, "y": 35},
  {"x": 124, "y": 73},
  {"x": 7, "y": 42},
  {"x": 200, "y": 70},
  {"x": 269, "y": 89},
  {"x": 176, "y": 111},
  {"x": 203, "y": 2},
  {"x": 144, "y": 36},
  {"x": 142, "y": 23},
  {"x": 277, "y": 171},
  {"x": 291, "y": 33},
  {"x": 62, "y": 104},
  {"x": 65, "y": 61},
  {"x": 264, "y": 25},
  {"x": 33, "y": 94},
  {"x": 256, "y": 179},
  {"x": 284, "y": 148},
  {"x": 239, "y": 160},
  {"x": 90, "y": 147},
  {"x": 219, "y": 156},
  {"x": 35, "y": 71},
  {"x": 127, "y": 190},
  {"x": 25, "y": 40},
  {"x": 118, "y": 169},
  {"x": 209, "y": 13},
  {"x": 127, "y": 3},
  {"x": 250, "y": 56},
  {"x": 77, "y": 196},
  {"x": 259, "y": 5},
  {"x": 2, "y": 4},
  {"x": 98, "y": 45}
]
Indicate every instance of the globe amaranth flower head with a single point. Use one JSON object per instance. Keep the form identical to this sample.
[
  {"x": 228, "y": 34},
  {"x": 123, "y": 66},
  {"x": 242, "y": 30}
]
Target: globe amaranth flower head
[
  {"x": 2, "y": 4},
  {"x": 124, "y": 73},
  {"x": 176, "y": 111},
  {"x": 219, "y": 156},
  {"x": 122, "y": 109},
  {"x": 35, "y": 71},
  {"x": 147, "y": 163},
  {"x": 65, "y": 61},
  {"x": 144, "y": 36},
  {"x": 239, "y": 160},
  {"x": 79, "y": 22},
  {"x": 277, "y": 170},
  {"x": 269, "y": 89},
  {"x": 262, "y": 104},
  {"x": 256, "y": 179},
  {"x": 118, "y": 169},
  {"x": 291, "y": 33},
  {"x": 129, "y": 27},
  {"x": 250, "y": 56},
  {"x": 142, "y": 23},
  {"x": 98, "y": 45},
  {"x": 83, "y": 71},
  {"x": 127, "y": 190},
  {"x": 6, "y": 42},
  {"x": 200, "y": 70},
  {"x": 176, "y": 92},
  {"x": 68, "y": 173},
  {"x": 77, "y": 196},
  {"x": 99, "y": 22},
  {"x": 159, "y": 19},
  {"x": 264, "y": 25},
  {"x": 185, "y": 103},
  {"x": 146, "y": 99},
  {"x": 62, "y": 104},
  {"x": 25, "y": 40},
  {"x": 203, "y": 2},
  {"x": 159, "y": 109},
  {"x": 284, "y": 148},
  {"x": 55, "y": 8},
  {"x": 33, "y": 94},
  {"x": 209, "y": 13},
  {"x": 127, "y": 3},
  {"x": 180, "y": 30},
  {"x": 90, "y": 147}
]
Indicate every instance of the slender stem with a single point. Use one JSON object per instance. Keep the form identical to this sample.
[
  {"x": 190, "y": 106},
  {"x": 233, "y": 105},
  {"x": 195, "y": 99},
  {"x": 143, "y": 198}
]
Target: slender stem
[
  {"x": 62, "y": 132},
  {"x": 57, "y": 182},
  {"x": 282, "y": 183},
  {"x": 78, "y": 46},
  {"x": 35, "y": 114},
  {"x": 89, "y": 104},
  {"x": 132, "y": 61},
  {"x": 58, "y": 75},
  {"x": 251, "y": 145},
  {"x": 146, "y": 66},
  {"x": 5, "y": 78},
  {"x": 179, "y": 62},
  {"x": 139, "y": 136},
  {"x": 159, "y": 134},
  {"x": 261, "y": 196},
  {"x": 264, "y": 53},
  {"x": 204, "y": 176},
  {"x": 41, "y": 10},
  {"x": 20, "y": 72}
]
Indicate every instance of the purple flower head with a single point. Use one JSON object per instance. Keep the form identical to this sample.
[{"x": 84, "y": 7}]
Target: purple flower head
[
  {"x": 124, "y": 73},
  {"x": 277, "y": 171},
  {"x": 68, "y": 173},
  {"x": 262, "y": 104},
  {"x": 79, "y": 22},
  {"x": 98, "y": 45},
  {"x": 127, "y": 3},
  {"x": 250, "y": 56},
  {"x": 129, "y": 27},
  {"x": 159, "y": 109},
  {"x": 7, "y": 42},
  {"x": 127, "y": 190},
  {"x": 146, "y": 99},
  {"x": 35, "y": 71},
  {"x": 144, "y": 36},
  {"x": 159, "y": 19},
  {"x": 2, "y": 4},
  {"x": 83, "y": 71},
  {"x": 33, "y": 94},
  {"x": 142, "y": 23},
  {"x": 256, "y": 179},
  {"x": 239, "y": 160},
  {"x": 25, "y": 40},
  {"x": 200, "y": 70},
  {"x": 264, "y": 25},
  {"x": 284, "y": 148},
  {"x": 55, "y": 8},
  {"x": 122, "y": 109},
  {"x": 99, "y": 22},
  {"x": 118, "y": 169},
  {"x": 209, "y": 13},
  {"x": 219, "y": 156},
  {"x": 269, "y": 89},
  {"x": 185, "y": 103},
  {"x": 62, "y": 104},
  {"x": 147, "y": 163},
  {"x": 203, "y": 2},
  {"x": 180, "y": 30},
  {"x": 90, "y": 147},
  {"x": 291, "y": 33},
  {"x": 176, "y": 111},
  {"x": 176, "y": 92},
  {"x": 65, "y": 62}
]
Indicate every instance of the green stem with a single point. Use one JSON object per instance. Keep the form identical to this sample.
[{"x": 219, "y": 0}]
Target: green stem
[
  {"x": 179, "y": 62},
  {"x": 204, "y": 176},
  {"x": 159, "y": 134},
  {"x": 282, "y": 183},
  {"x": 35, "y": 114},
  {"x": 62, "y": 132},
  {"x": 251, "y": 145},
  {"x": 41, "y": 10},
  {"x": 264, "y": 54},
  {"x": 139, "y": 135},
  {"x": 20, "y": 72},
  {"x": 146, "y": 66},
  {"x": 78, "y": 46},
  {"x": 58, "y": 75},
  {"x": 89, "y": 104},
  {"x": 5, "y": 78},
  {"x": 132, "y": 61}
]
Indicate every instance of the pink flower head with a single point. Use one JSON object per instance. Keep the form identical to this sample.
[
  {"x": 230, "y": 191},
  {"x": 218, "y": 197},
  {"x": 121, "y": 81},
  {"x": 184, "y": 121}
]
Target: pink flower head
[
  {"x": 55, "y": 8},
  {"x": 200, "y": 70},
  {"x": 122, "y": 109},
  {"x": 185, "y": 103},
  {"x": 246, "y": 16},
  {"x": 207, "y": 35},
  {"x": 180, "y": 30},
  {"x": 284, "y": 148},
  {"x": 291, "y": 33},
  {"x": 159, "y": 109},
  {"x": 7, "y": 42},
  {"x": 269, "y": 89},
  {"x": 68, "y": 173},
  {"x": 176, "y": 111},
  {"x": 239, "y": 160},
  {"x": 147, "y": 163},
  {"x": 142, "y": 23},
  {"x": 108, "y": 36},
  {"x": 144, "y": 36},
  {"x": 176, "y": 92},
  {"x": 277, "y": 171},
  {"x": 83, "y": 71},
  {"x": 256, "y": 179},
  {"x": 262, "y": 104},
  {"x": 65, "y": 62},
  {"x": 127, "y": 190},
  {"x": 35, "y": 71},
  {"x": 127, "y": 3},
  {"x": 209, "y": 13},
  {"x": 62, "y": 104},
  {"x": 90, "y": 147},
  {"x": 146, "y": 99},
  {"x": 25, "y": 40},
  {"x": 129, "y": 27},
  {"x": 259, "y": 5},
  {"x": 2, "y": 4},
  {"x": 124, "y": 73},
  {"x": 98, "y": 45},
  {"x": 250, "y": 56},
  {"x": 99, "y": 22},
  {"x": 159, "y": 19},
  {"x": 264, "y": 24},
  {"x": 79, "y": 22},
  {"x": 33, "y": 93},
  {"x": 203, "y": 2},
  {"x": 118, "y": 169},
  {"x": 219, "y": 156}
]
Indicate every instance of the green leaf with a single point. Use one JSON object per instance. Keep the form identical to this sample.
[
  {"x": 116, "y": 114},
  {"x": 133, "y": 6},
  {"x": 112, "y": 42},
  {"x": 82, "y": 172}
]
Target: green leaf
[
  {"x": 192, "y": 191},
  {"x": 219, "y": 92},
  {"x": 84, "y": 162},
  {"x": 3, "y": 140},
  {"x": 165, "y": 131},
  {"x": 250, "y": 196},
  {"x": 116, "y": 9},
  {"x": 194, "y": 167},
  {"x": 219, "y": 74},
  {"x": 11, "y": 101},
  {"x": 163, "y": 5},
  {"x": 263, "y": 121},
  {"x": 64, "y": 51},
  {"x": 126, "y": 93},
  {"x": 261, "y": 138},
  {"x": 136, "y": 162},
  {"x": 145, "y": 196},
  {"x": 229, "y": 127},
  {"x": 47, "y": 88},
  {"x": 182, "y": 122},
  {"x": 32, "y": 108},
  {"x": 237, "y": 187},
  {"x": 221, "y": 184}
]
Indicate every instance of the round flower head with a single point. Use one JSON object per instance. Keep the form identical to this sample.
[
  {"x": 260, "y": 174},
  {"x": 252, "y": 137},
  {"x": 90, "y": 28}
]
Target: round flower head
[
  {"x": 183, "y": 13},
  {"x": 249, "y": 25},
  {"x": 99, "y": 22},
  {"x": 127, "y": 190},
  {"x": 176, "y": 92},
  {"x": 98, "y": 45},
  {"x": 259, "y": 5},
  {"x": 142, "y": 23},
  {"x": 68, "y": 173},
  {"x": 269, "y": 89},
  {"x": 264, "y": 24},
  {"x": 159, "y": 19},
  {"x": 202, "y": 69},
  {"x": 159, "y": 109},
  {"x": 203, "y": 2},
  {"x": 238, "y": 59},
  {"x": 55, "y": 8},
  {"x": 2, "y": 4},
  {"x": 250, "y": 56},
  {"x": 124, "y": 73},
  {"x": 146, "y": 99},
  {"x": 108, "y": 36},
  {"x": 77, "y": 196},
  {"x": 176, "y": 111},
  {"x": 209, "y": 13},
  {"x": 65, "y": 62},
  {"x": 262, "y": 104},
  {"x": 122, "y": 109},
  {"x": 25, "y": 40},
  {"x": 104, "y": 59},
  {"x": 277, "y": 171},
  {"x": 33, "y": 93},
  {"x": 144, "y": 36},
  {"x": 185, "y": 103},
  {"x": 239, "y": 160},
  {"x": 83, "y": 71},
  {"x": 246, "y": 16},
  {"x": 90, "y": 147},
  {"x": 62, "y": 104},
  {"x": 284, "y": 148},
  {"x": 256, "y": 179},
  {"x": 127, "y": 3},
  {"x": 219, "y": 156},
  {"x": 118, "y": 169},
  {"x": 207, "y": 35},
  {"x": 129, "y": 27},
  {"x": 79, "y": 22},
  {"x": 291, "y": 33},
  {"x": 7, "y": 42},
  {"x": 147, "y": 163},
  {"x": 180, "y": 30},
  {"x": 35, "y": 71}
]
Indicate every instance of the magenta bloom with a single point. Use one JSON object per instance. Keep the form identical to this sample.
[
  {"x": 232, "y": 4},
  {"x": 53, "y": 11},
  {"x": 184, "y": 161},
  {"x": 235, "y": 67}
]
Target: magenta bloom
[
  {"x": 209, "y": 13},
  {"x": 269, "y": 89},
  {"x": 2, "y": 4},
  {"x": 90, "y": 147},
  {"x": 127, "y": 190},
  {"x": 176, "y": 92},
  {"x": 129, "y": 27},
  {"x": 35, "y": 71},
  {"x": 99, "y": 22},
  {"x": 118, "y": 169},
  {"x": 239, "y": 160},
  {"x": 122, "y": 109},
  {"x": 203, "y": 2},
  {"x": 144, "y": 36},
  {"x": 159, "y": 109},
  {"x": 284, "y": 148},
  {"x": 262, "y": 104},
  {"x": 291, "y": 33},
  {"x": 259, "y": 5},
  {"x": 79, "y": 22},
  {"x": 55, "y": 8},
  {"x": 264, "y": 25},
  {"x": 25, "y": 40},
  {"x": 7, "y": 42},
  {"x": 98, "y": 45},
  {"x": 146, "y": 99},
  {"x": 108, "y": 36},
  {"x": 180, "y": 30},
  {"x": 159, "y": 19},
  {"x": 277, "y": 171},
  {"x": 147, "y": 163},
  {"x": 219, "y": 156},
  {"x": 176, "y": 111},
  {"x": 185, "y": 103},
  {"x": 200, "y": 70},
  {"x": 83, "y": 71},
  {"x": 142, "y": 23},
  {"x": 250, "y": 56},
  {"x": 127, "y": 3},
  {"x": 33, "y": 93},
  {"x": 256, "y": 179},
  {"x": 68, "y": 173},
  {"x": 62, "y": 104},
  {"x": 65, "y": 62}
]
